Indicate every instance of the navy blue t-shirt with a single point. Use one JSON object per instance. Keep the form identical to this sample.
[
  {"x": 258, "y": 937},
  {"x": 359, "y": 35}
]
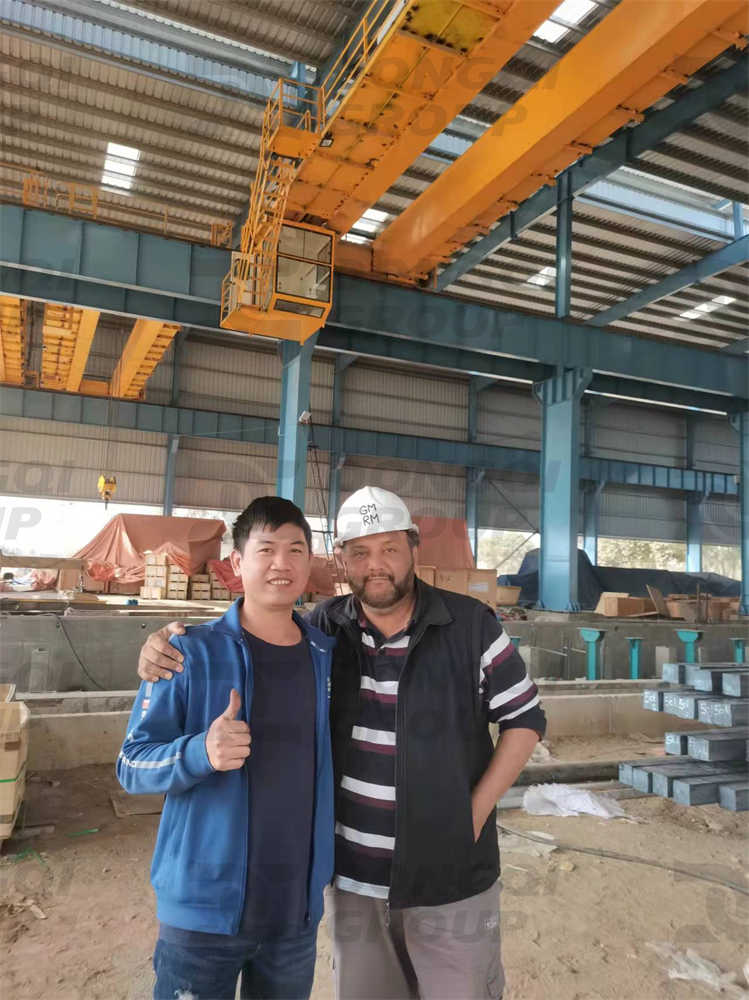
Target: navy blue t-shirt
[{"x": 281, "y": 772}]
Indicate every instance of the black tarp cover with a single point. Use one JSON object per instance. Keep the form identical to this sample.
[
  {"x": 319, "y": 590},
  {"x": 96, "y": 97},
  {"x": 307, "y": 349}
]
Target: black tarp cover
[{"x": 592, "y": 581}]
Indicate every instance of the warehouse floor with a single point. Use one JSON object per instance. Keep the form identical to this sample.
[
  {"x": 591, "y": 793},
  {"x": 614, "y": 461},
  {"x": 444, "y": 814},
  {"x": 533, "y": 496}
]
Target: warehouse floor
[{"x": 575, "y": 926}]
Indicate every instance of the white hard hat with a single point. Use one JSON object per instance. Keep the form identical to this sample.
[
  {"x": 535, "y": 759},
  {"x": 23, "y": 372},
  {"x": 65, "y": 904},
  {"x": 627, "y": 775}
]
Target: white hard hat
[{"x": 372, "y": 511}]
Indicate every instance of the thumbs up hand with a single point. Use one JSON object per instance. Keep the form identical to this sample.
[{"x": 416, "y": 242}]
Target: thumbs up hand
[{"x": 228, "y": 740}]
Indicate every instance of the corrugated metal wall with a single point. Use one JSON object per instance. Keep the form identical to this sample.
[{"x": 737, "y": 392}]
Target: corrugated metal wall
[
  {"x": 380, "y": 398},
  {"x": 40, "y": 458}
]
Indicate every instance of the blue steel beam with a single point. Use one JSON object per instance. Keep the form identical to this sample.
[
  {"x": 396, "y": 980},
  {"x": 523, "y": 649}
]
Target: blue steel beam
[
  {"x": 58, "y": 258},
  {"x": 623, "y": 149},
  {"x": 159, "y": 419},
  {"x": 623, "y": 195},
  {"x": 449, "y": 322},
  {"x": 739, "y": 347},
  {"x": 363, "y": 343},
  {"x": 710, "y": 265},
  {"x": 563, "y": 277}
]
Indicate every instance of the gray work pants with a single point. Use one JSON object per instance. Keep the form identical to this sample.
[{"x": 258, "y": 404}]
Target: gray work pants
[{"x": 449, "y": 952}]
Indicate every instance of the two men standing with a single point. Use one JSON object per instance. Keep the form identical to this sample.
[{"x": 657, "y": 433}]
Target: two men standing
[{"x": 417, "y": 675}]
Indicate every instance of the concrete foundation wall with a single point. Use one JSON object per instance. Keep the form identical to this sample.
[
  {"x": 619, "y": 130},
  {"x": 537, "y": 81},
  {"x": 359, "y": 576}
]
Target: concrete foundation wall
[
  {"x": 71, "y": 739},
  {"x": 42, "y": 652},
  {"x": 63, "y": 741}
]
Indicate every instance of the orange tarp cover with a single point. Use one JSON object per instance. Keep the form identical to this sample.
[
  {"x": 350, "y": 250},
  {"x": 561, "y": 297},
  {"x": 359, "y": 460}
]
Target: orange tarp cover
[
  {"x": 443, "y": 542},
  {"x": 321, "y": 579},
  {"x": 118, "y": 551}
]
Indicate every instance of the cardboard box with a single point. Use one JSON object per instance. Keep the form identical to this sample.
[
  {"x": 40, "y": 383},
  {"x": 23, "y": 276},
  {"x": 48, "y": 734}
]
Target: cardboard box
[
  {"x": 482, "y": 584},
  {"x": 452, "y": 579},
  {"x": 614, "y": 605},
  {"x": 427, "y": 574},
  {"x": 508, "y": 596}
]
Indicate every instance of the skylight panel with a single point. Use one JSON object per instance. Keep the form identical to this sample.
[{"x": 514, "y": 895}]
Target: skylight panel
[
  {"x": 116, "y": 180},
  {"x": 126, "y": 152},
  {"x": 373, "y": 221},
  {"x": 120, "y": 165},
  {"x": 571, "y": 11},
  {"x": 543, "y": 278},
  {"x": 704, "y": 308}
]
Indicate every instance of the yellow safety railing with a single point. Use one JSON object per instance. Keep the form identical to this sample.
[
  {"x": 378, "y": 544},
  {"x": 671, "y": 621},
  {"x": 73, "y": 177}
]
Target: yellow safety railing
[
  {"x": 301, "y": 106},
  {"x": 356, "y": 54}
]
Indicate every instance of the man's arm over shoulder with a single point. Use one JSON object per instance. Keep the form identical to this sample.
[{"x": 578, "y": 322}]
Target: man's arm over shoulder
[
  {"x": 319, "y": 619},
  {"x": 511, "y": 697},
  {"x": 158, "y": 756}
]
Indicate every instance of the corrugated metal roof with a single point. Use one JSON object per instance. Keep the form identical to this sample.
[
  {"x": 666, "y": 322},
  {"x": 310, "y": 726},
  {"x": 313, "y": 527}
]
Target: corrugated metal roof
[{"x": 63, "y": 99}]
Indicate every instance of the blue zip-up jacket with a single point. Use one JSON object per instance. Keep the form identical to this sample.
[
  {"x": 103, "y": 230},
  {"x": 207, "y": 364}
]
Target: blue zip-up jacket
[{"x": 199, "y": 867}]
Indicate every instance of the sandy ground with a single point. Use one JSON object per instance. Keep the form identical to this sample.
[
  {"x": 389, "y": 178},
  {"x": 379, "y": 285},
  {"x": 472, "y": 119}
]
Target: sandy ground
[{"x": 575, "y": 927}]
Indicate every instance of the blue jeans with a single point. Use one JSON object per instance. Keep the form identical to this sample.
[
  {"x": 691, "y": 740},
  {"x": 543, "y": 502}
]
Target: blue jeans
[{"x": 282, "y": 969}]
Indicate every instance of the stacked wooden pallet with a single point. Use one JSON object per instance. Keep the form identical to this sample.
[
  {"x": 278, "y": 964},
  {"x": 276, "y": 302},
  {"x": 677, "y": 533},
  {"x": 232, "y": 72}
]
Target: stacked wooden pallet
[
  {"x": 218, "y": 589},
  {"x": 200, "y": 587},
  {"x": 163, "y": 579},
  {"x": 701, "y": 766}
]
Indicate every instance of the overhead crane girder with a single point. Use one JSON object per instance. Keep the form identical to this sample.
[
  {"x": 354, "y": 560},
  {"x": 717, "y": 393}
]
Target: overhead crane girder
[
  {"x": 429, "y": 59},
  {"x": 12, "y": 340},
  {"x": 329, "y": 152},
  {"x": 68, "y": 333},
  {"x": 145, "y": 347},
  {"x": 634, "y": 56}
]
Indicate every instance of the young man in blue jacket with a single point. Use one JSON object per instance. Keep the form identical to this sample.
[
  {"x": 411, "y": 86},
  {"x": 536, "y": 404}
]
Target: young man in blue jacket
[{"x": 240, "y": 744}]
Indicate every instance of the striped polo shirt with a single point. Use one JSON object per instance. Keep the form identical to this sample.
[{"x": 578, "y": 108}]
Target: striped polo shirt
[{"x": 365, "y": 824}]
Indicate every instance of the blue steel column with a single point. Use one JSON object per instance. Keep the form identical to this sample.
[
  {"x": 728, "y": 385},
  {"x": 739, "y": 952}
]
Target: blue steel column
[
  {"x": 560, "y": 457},
  {"x": 564, "y": 245},
  {"x": 337, "y": 460},
  {"x": 592, "y": 491},
  {"x": 694, "y": 532},
  {"x": 178, "y": 360},
  {"x": 694, "y": 505},
  {"x": 170, "y": 474},
  {"x": 474, "y": 477},
  {"x": 591, "y": 515},
  {"x": 293, "y": 430},
  {"x": 740, "y": 423}
]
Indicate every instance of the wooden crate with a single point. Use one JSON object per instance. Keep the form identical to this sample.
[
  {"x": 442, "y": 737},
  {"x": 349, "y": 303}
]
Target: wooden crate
[
  {"x": 427, "y": 574},
  {"x": 156, "y": 575},
  {"x": 200, "y": 591},
  {"x": 155, "y": 558},
  {"x": 200, "y": 578},
  {"x": 14, "y": 749},
  {"x": 153, "y": 593}
]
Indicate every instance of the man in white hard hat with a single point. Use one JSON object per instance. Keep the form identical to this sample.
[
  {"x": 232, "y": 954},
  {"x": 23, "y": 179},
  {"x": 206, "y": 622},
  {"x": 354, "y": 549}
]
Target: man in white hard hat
[{"x": 418, "y": 673}]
